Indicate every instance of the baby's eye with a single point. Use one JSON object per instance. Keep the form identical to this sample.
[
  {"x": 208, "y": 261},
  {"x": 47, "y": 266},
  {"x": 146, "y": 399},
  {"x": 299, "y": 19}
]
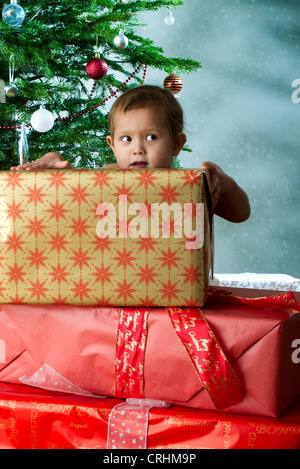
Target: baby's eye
[
  {"x": 126, "y": 138},
  {"x": 151, "y": 137}
]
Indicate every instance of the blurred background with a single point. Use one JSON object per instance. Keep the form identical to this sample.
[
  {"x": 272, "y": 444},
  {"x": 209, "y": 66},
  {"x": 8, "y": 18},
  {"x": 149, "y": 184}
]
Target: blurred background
[{"x": 240, "y": 114}]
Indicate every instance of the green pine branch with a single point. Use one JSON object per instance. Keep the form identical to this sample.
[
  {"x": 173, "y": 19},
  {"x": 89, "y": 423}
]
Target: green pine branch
[{"x": 51, "y": 49}]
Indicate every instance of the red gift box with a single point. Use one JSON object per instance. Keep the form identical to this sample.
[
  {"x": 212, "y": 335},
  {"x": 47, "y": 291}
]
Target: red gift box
[
  {"x": 136, "y": 353},
  {"x": 35, "y": 419}
]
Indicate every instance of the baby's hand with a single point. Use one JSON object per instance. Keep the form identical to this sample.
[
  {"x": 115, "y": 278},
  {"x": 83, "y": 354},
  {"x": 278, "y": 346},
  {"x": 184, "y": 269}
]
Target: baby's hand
[
  {"x": 229, "y": 200},
  {"x": 215, "y": 177},
  {"x": 51, "y": 160}
]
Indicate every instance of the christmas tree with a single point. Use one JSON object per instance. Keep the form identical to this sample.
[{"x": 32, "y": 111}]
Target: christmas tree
[{"x": 73, "y": 57}]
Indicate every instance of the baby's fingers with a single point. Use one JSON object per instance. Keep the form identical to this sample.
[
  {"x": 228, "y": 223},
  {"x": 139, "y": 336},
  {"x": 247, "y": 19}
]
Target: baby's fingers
[
  {"x": 22, "y": 166},
  {"x": 61, "y": 164}
]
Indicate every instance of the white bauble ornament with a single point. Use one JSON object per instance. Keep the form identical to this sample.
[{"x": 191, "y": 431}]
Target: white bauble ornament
[
  {"x": 121, "y": 41},
  {"x": 169, "y": 20},
  {"x": 42, "y": 120}
]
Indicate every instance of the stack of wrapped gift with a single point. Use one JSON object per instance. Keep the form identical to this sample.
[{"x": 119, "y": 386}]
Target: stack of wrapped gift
[{"x": 104, "y": 291}]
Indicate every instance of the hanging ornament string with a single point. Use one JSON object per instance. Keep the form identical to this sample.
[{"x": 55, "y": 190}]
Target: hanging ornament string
[
  {"x": 114, "y": 93},
  {"x": 111, "y": 95},
  {"x": 11, "y": 90}
]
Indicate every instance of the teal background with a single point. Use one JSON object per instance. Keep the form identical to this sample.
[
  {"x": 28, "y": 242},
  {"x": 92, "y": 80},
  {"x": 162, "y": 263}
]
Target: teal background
[{"x": 239, "y": 114}]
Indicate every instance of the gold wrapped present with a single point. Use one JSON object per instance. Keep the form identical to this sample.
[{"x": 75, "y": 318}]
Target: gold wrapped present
[{"x": 109, "y": 237}]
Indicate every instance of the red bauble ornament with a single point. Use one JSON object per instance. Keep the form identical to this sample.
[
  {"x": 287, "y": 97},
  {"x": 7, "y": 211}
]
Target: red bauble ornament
[
  {"x": 96, "y": 68},
  {"x": 173, "y": 83}
]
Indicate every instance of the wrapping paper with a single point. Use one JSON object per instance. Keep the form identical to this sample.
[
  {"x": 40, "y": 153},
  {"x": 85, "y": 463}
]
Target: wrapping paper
[
  {"x": 109, "y": 237},
  {"x": 35, "y": 419},
  {"x": 74, "y": 348}
]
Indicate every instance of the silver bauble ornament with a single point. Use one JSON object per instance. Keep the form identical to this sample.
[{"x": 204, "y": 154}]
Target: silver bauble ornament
[
  {"x": 13, "y": 14},
  {"x": 11, "y": 90},
  {"x": 121, "y": 41}
]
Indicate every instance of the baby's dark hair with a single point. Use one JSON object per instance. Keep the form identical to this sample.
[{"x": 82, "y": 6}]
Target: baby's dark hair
[{"x": 149, "y": 96}]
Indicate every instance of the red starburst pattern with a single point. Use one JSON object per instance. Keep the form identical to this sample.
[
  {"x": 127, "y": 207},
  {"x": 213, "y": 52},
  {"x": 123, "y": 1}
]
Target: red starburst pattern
[
  {"x": 125, "y": 290},
  {"x": 168, "y": 193},
  {"x": 2, "y": 289},
  {"x": 59, "y": 300},
  {"x": 15, "y": 273},
  {"x": 35, "y": 195},
  {"x": 92, "y": 211},
  {"x": 37, "y": 258},
  {"x": 191, "y": 178},
  {"x": 49, "y": 233},
  {"x": 143, "y": 214},
  {"x": 146, "y": 179},
  {"x": 103, "y": 300},
  {"x": 14, "y": 211},
  {"x": 2, "y": 259},
  {"x": 57, "y": 210},
  {"x": 173, "y": 227},
  {"x": 81, "y": 290},
  {"x": 124, "y": 258},
  {"x": 190, "y": 211},
  {"x": 35, "y": 227},
  {"x": 79, "y": 226},
  {"x": 79, "y": 194},
  {"x": 102, "y": 274},
  {"x": 169, "y": 258},
  {"x": 124, "y": 190},
  {"x": 102, "y": 244},
  {"x": 169, "y": 291},
  {"x": 13, "y": 179},
  {"x": 147, "y": 244},
  {"x": 101, "y": 179},
  {"x": 146, "y": 274},
  {"x": 122, "y": 226},
  {"x": 38, "y": 289},
  {"x": 58, "y": 242},
  {"x": 16, "y": 300},
  {"x": 14, "y": 242},
  {"x": 191, "y": 275},
  {"x": 80, "y": 258},
  {"x": 147, "y": 301},
  {"x": 58, "y": 273},
  {"x": 57, "y": 179},
  {"x": 194, "y": 302}
]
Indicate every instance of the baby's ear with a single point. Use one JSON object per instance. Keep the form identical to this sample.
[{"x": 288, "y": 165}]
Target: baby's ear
[
  {"x": 179, "y": 142},
  {"x": 110, "y": 141}
]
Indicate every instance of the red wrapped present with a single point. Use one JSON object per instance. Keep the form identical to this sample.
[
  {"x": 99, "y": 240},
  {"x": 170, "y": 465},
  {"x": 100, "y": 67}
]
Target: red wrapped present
[
  {"x": 231, "y": 355},
  {"x": 109, "y": 237},
  {"x": 36, "y": 419}
]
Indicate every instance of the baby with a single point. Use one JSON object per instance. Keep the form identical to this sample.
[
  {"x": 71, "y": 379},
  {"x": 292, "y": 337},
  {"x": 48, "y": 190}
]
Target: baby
[{"x": 146, "y": 131}]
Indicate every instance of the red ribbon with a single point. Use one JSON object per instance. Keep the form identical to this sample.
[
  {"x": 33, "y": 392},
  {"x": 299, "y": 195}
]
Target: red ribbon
[
  {"x": 130, "y": 351},
  {"x": 283, "y": 301},
  {"x": 199, "y": 341},
  {"x": 207, "y": 357}
]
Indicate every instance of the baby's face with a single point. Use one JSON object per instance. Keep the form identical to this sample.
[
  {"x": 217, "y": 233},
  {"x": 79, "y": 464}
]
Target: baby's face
[{"x": 143, "y": 139}]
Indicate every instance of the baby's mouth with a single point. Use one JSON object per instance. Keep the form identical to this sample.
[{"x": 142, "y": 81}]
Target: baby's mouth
[{"x": 139, "y": 164}]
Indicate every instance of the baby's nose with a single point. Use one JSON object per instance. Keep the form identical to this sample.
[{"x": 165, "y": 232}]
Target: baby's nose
[{"x": 139, "y": 148}]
